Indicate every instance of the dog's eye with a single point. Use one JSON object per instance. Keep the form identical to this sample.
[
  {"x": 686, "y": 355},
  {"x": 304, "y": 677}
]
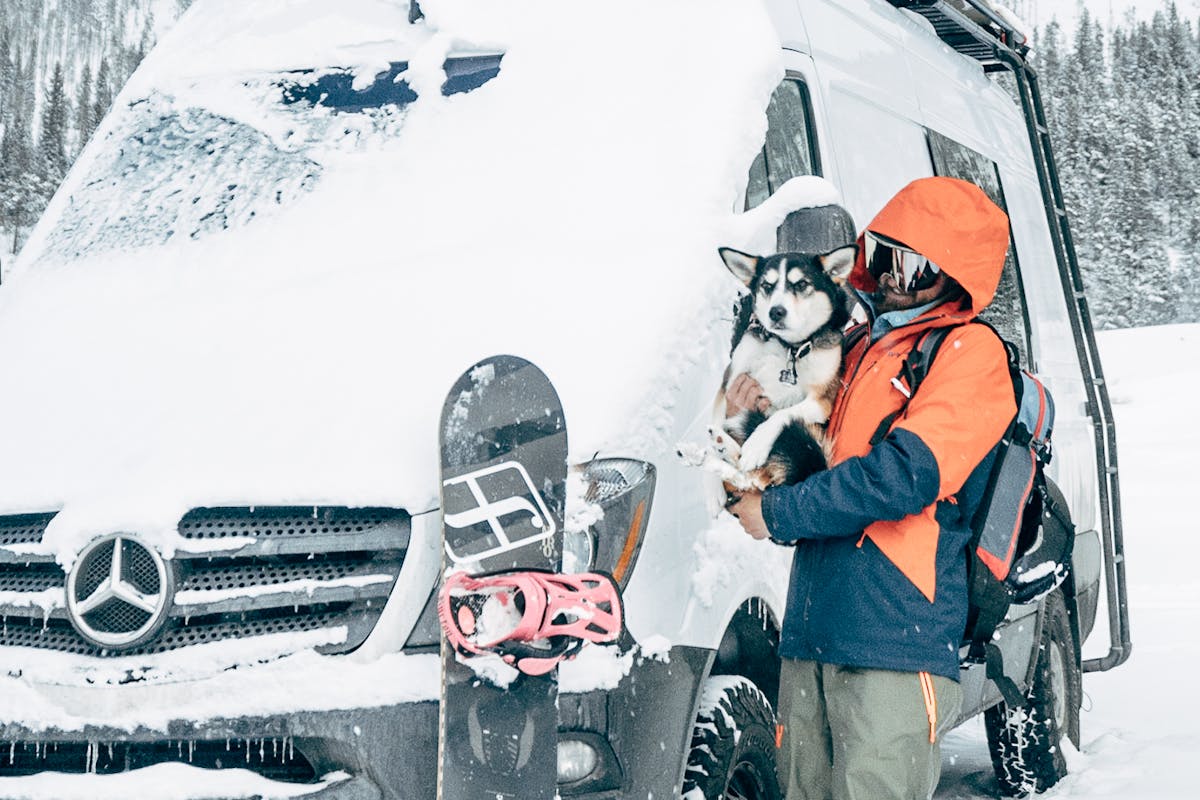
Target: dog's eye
[
  {"x": 767, "y": 288},
  {"x": 801, "y": 285}
]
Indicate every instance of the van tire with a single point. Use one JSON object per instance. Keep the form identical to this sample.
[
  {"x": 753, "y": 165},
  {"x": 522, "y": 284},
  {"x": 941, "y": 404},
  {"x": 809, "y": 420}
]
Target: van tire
[
  {"x": 733, "y": 748},
  {"x": 1026, "y": 744}
]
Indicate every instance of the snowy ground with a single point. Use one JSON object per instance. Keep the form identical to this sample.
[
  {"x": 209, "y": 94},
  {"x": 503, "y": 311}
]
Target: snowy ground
[{"x": 1140, "y": 732}]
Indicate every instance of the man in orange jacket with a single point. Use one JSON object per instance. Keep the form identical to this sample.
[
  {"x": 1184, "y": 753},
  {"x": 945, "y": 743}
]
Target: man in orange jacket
[{"x": 877, "y": 603}]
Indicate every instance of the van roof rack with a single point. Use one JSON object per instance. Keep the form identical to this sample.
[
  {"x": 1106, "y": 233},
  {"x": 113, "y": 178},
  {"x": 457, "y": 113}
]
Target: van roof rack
[
  {"x": 978, "y": 29},
  {"x": 972, "y": 27}
]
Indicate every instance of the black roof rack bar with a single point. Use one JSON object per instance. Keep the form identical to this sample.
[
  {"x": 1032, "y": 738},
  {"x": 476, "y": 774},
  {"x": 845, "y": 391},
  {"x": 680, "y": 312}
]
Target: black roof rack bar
[{"x": 966, "y": 34}]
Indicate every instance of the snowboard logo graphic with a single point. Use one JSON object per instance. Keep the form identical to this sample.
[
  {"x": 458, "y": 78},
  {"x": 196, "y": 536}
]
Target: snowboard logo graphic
[{"x": 503, "y": 498}]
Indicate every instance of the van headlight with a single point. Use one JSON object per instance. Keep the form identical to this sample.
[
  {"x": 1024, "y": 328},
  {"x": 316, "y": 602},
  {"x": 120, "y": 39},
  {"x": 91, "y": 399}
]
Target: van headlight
[
  {"x": 623, "y": 489},
  {"x": 576, "y": 760}
]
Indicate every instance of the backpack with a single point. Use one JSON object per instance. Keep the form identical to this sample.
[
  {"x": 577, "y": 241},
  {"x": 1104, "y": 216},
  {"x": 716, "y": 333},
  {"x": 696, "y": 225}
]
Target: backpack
[{"x": 1021, "y": 530}]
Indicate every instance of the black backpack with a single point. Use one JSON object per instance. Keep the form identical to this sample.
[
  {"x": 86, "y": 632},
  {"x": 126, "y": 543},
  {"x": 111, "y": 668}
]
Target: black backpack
[{"x": 1021, "y": 531}]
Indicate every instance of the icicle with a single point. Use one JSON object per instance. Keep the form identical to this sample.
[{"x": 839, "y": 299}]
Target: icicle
[
  {"x": 110, "y": 750},
  {"x": 12, "y": 752},
  {"x": 274, "y": 748},
  {"x": 227, "y": 744},
  {"x": 291, "y": 749},
  {"x": 262, "y": 751},
  {"x": 247, "y": 751},
  {"x": 179, "y": 747},
  {"x": 191, "y": 750}
]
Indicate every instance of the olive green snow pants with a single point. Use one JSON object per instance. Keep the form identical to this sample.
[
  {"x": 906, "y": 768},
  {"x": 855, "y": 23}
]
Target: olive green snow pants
[{"x": 861, "y": 734}]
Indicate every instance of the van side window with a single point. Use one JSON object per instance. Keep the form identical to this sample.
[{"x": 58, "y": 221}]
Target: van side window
[
  {"x": 790, "y": 149},
  {"x": 1007, "y": 312}
]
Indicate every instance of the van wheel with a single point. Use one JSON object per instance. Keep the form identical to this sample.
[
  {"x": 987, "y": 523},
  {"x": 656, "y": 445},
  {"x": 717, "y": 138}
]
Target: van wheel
[
  {"x": 733, "y": 751},
  {"x": 1026, "y": 742}
]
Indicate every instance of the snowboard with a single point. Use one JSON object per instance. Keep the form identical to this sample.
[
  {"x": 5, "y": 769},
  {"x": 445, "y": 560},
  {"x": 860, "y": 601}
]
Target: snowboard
[{"x": 503, "y": 442}]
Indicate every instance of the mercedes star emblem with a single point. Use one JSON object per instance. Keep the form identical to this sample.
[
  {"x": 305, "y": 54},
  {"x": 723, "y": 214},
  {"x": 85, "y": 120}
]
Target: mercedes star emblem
[{"x": 119, "y": 592}]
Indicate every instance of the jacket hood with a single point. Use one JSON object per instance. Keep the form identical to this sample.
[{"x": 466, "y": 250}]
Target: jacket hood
[{"x": 953, "y": 224}]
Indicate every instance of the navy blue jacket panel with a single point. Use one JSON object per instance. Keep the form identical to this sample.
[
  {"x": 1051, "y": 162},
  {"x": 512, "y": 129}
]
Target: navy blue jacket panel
[{"x": 847, "y": 603}]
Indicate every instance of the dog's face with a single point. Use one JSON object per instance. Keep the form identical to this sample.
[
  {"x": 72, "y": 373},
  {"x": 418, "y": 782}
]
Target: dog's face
[{"x": 794, "y": 293}]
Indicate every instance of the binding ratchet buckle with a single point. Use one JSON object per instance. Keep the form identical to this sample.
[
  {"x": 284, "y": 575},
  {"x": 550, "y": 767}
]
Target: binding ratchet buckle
[{"x": 531, "y": 619}]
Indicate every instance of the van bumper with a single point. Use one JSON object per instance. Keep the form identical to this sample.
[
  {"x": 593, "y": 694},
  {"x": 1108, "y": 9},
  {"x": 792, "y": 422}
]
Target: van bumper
[
  {"x": 357, "y": 754},
  {"x": 641, "y": 730}
]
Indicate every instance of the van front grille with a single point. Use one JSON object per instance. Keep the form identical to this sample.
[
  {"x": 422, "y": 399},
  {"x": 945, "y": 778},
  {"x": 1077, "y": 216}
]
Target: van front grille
[{"x": 254, "y": 572}]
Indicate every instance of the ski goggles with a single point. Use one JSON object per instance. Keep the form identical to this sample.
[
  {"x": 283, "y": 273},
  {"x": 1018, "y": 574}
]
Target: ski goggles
[{"x": 911, "y": 271}]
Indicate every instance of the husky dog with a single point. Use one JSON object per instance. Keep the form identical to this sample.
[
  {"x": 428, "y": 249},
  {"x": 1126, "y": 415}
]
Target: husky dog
[{"x": 789, "y": 340}]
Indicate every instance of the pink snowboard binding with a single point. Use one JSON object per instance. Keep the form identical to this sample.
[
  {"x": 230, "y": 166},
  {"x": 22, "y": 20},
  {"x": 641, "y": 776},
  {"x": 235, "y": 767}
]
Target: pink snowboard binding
[{"x": 533, "y": 620}]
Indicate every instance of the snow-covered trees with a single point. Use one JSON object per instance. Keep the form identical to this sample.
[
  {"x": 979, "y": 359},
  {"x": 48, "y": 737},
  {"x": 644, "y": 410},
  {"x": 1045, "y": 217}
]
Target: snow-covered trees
[
  {"x": 1124, "y": 110},
  {"x": 61, "y": 63}
]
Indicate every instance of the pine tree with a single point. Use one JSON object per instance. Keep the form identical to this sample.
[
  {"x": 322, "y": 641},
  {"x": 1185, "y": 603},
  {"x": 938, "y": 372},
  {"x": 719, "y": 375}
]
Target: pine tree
[
  {"x": 52, "y": 139},
  {"x": 103, "y": 95},
  {"x": 83, "y": 109},
  {"x": 20, "y": 186},
  {"x": 6, "y": 74}
]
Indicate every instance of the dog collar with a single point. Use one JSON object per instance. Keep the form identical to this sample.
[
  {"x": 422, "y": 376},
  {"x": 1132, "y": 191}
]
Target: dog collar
[{"x": 795, "y": 351}]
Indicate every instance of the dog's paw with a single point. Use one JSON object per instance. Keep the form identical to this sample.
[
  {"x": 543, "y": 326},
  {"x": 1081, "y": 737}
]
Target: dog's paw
[
  {"x": 757, "y": 448},
  {"x": 723, "y": 445},
  {"x": 691, "y": 453},
  {"x": 811, "y": 412}
]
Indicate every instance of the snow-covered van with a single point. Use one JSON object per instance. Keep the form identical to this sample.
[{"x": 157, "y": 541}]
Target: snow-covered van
[{"x": 224, "y": 351}]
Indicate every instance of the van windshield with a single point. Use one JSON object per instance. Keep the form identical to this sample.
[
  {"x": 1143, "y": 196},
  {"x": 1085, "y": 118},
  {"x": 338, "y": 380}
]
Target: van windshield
[{"x": 167, "y": 169}]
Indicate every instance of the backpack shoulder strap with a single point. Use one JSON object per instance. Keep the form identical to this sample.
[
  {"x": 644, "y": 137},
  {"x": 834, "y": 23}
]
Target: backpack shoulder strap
[
  {"x": 853, "y": 336},
  {"x": 912, "y": 374}
]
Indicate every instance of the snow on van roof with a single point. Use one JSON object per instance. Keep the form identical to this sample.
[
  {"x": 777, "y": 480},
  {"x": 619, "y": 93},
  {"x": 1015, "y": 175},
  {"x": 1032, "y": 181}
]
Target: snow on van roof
[
  {"x": 298, "y": 351},
  {"x": 217, "y": 37}
]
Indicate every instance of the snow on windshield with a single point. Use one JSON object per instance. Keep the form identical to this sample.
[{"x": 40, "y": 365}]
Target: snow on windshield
[
  {"x": 168, "y": 169},
  {"x": 173, "y": 173}
]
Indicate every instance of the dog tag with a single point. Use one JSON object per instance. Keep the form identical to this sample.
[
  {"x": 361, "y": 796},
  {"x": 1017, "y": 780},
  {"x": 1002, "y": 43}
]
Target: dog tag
[{"x": 788, "y": 376}]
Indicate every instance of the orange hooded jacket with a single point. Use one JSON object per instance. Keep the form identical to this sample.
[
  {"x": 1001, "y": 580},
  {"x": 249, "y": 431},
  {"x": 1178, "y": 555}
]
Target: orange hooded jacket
[{"x": 966, "y": 400}]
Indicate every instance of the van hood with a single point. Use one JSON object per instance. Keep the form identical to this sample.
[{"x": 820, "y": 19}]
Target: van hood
[{"x": 294, "y": 346}]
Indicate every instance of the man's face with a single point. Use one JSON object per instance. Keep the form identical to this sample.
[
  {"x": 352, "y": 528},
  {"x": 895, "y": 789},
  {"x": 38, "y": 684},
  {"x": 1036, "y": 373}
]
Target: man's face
[{"x": 889, "y": 297}]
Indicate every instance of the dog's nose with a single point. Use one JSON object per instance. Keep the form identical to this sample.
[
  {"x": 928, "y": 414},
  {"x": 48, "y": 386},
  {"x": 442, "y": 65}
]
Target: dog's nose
[{"x": 777, "y": 313}]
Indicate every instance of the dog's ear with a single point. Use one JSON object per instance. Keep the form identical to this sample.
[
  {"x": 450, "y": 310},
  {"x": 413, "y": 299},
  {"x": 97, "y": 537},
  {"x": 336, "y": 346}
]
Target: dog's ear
[
  {"x": 742, "y": 265},
  {"x": 838, "y": 263}
]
